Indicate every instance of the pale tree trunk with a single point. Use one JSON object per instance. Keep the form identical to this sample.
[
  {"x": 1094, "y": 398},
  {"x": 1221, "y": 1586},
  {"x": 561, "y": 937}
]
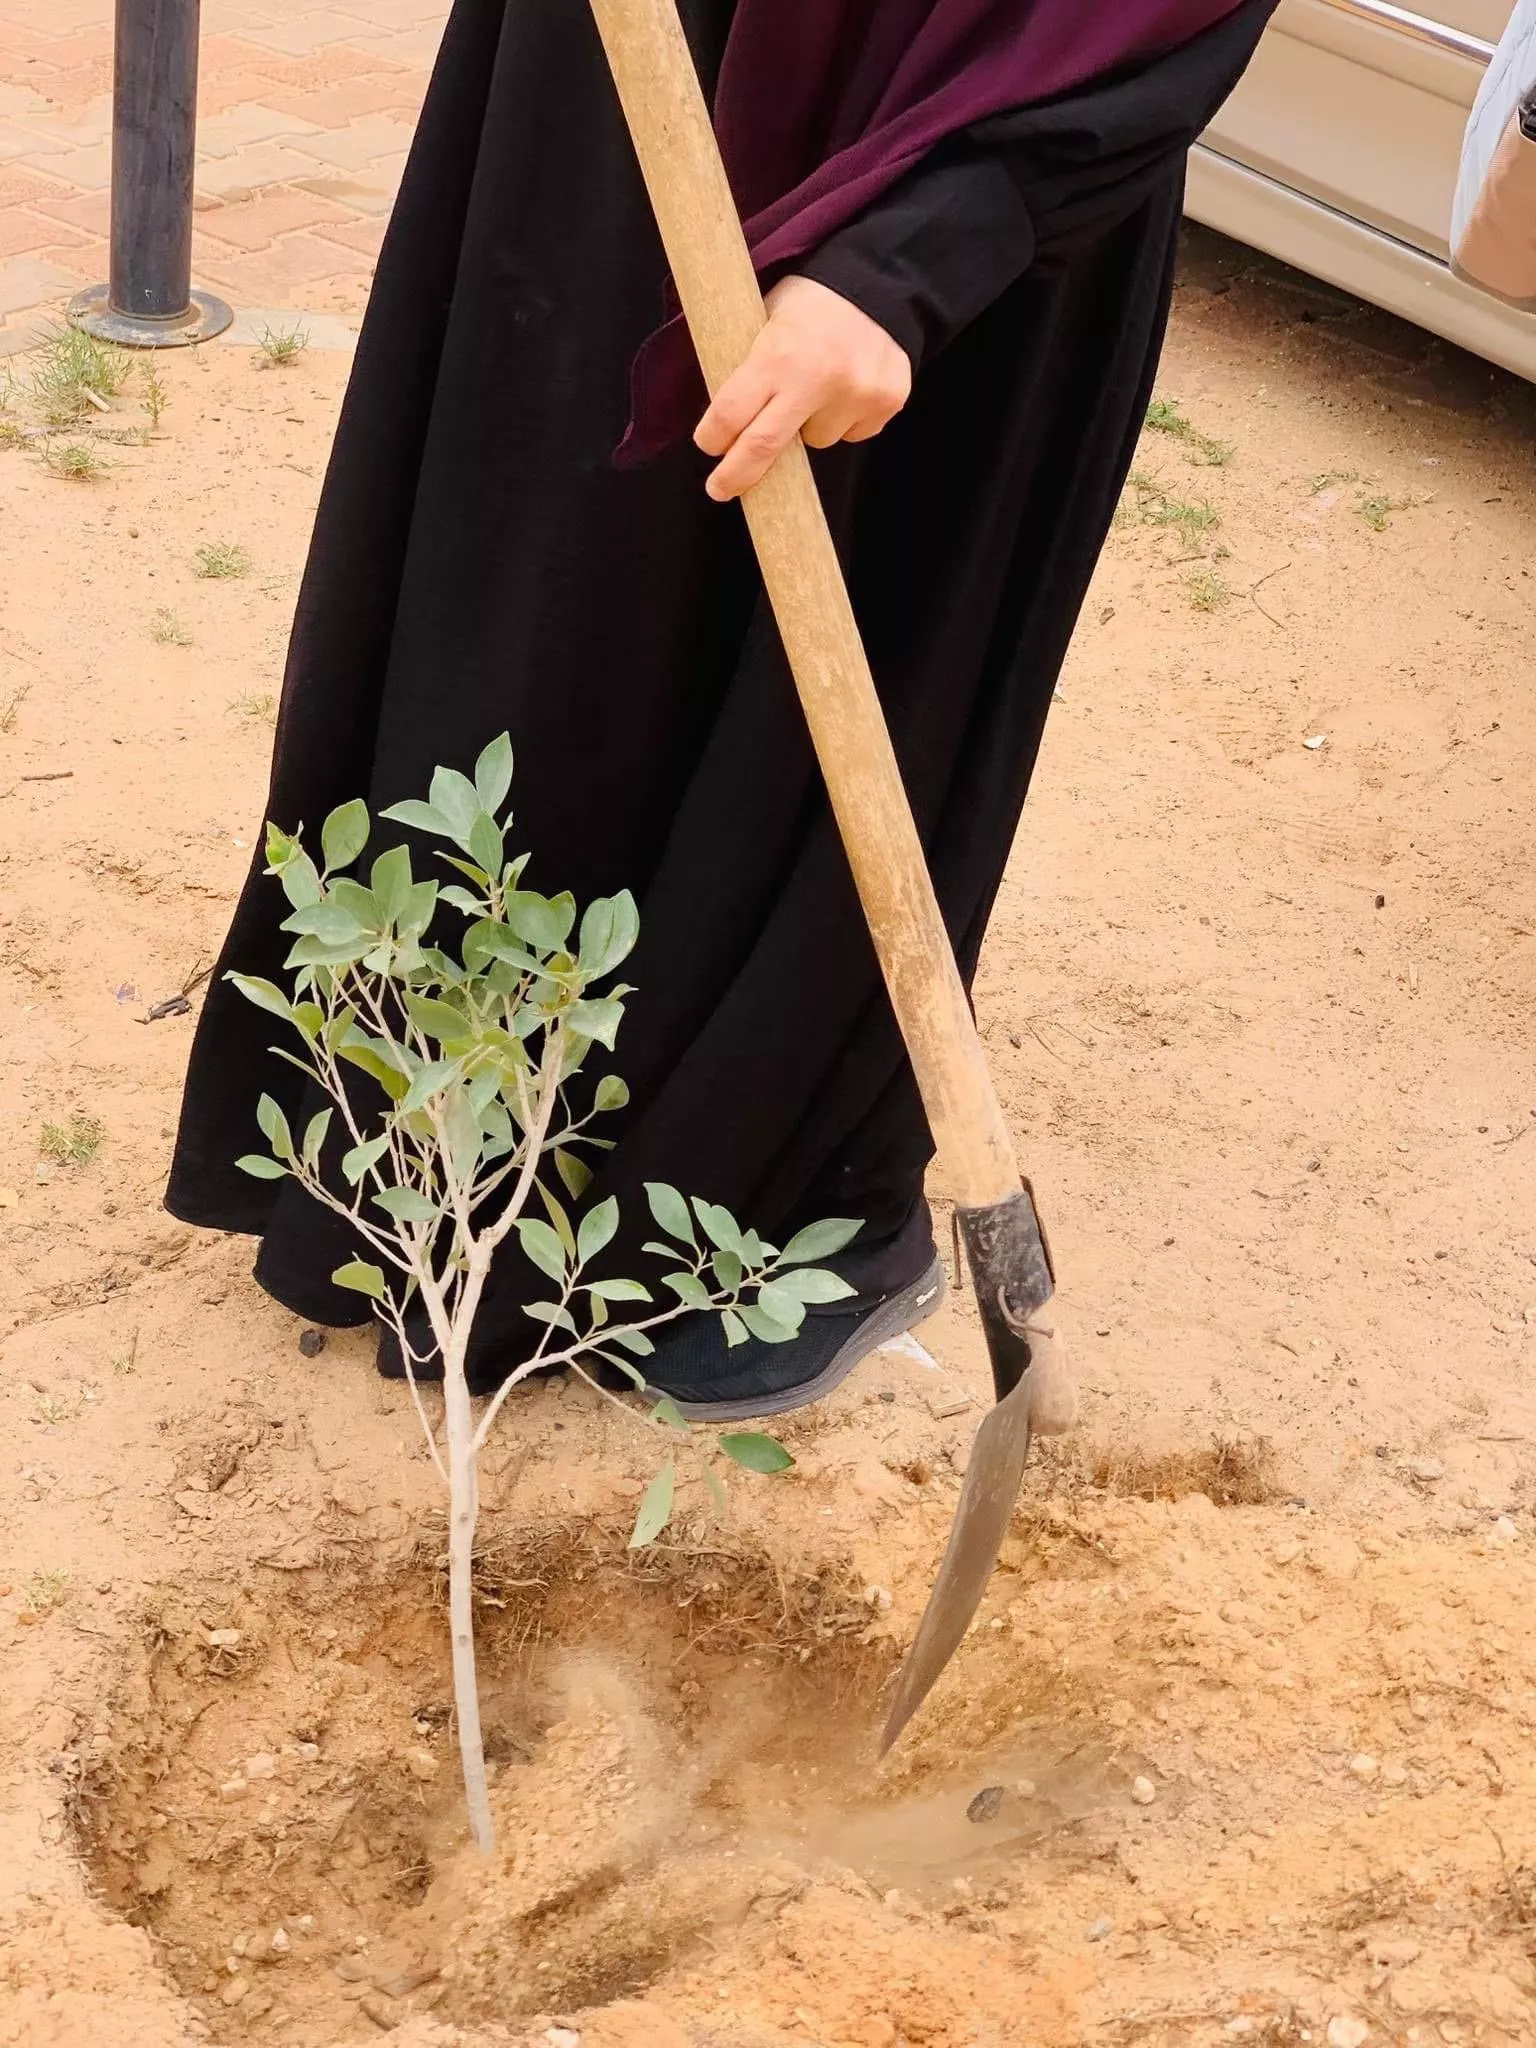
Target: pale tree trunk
[{"x": 463, "y": 1513}]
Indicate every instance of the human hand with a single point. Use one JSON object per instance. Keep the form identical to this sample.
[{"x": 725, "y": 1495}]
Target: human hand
[{"x": 820, "y": 369}]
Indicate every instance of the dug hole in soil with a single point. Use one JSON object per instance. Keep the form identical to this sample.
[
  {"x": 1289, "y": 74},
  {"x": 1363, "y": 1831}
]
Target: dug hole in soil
[{"x": 1240, "y": 1746}]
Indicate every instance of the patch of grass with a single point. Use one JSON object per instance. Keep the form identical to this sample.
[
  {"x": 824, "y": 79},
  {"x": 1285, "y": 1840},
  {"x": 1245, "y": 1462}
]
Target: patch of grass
[
  {"x": 73, "y": 1144},
  {"x": 46, "y": 1590},
  {"x": 52, "y": 1409},
  {"x": 1164, "y": 416},
  {"x": 12, "y": 705},
  {"x": 283, "y": 345},
  {"x": 168, "y": 629},
  {"x": 1377, "y": 512},
  {"x": 127, "y": 1361},
  {"x": 73, "y": 373},
  {"x": 75, "y": 462},
  {"x": 1326, "y": 479},
  {"x": 218, "y": 559},
  {"x": 260, "y": 704},
  {"x": 1207, "y": 590},
  {"x": 1234, "y": 1472},
  {"x": 1153, "y": 506}
]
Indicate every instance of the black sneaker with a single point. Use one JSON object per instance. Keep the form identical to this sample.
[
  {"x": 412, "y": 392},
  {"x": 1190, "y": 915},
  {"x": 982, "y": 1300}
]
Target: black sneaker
[{"x": 713, "y": 1381}]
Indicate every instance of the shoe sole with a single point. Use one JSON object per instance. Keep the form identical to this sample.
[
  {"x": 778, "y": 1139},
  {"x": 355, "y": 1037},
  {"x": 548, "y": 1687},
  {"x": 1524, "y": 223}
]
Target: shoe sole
[{"x": 892, "y": 1319}]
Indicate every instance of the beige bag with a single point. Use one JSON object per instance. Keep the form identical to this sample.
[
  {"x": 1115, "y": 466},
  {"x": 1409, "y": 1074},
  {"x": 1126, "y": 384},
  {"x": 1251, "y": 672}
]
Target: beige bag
[{"x": 1493, "y": 223}]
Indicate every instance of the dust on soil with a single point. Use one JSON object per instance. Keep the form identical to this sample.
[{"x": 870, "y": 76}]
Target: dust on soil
[{"x": 1251, "y": 1696}]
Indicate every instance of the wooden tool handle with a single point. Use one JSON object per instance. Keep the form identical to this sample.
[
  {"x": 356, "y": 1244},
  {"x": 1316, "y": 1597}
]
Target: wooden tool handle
[{"x": 664, "y": 105}]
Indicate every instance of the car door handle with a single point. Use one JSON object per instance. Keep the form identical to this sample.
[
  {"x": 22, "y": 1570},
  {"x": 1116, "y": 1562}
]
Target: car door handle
[{"x": 1418, "y": 27}]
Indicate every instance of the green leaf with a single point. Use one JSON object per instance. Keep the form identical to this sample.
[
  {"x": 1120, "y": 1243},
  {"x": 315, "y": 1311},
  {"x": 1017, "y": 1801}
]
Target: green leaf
[
  {"x": 274, "y": 1127},
  {"x": 344, "y": 834},
  {"x": 612, "y": 1093},
  {"x": 756, "y": 1453},
  {"x": 668, "y": 1412},
  {"x": 315, "y": 952},
  {"x": 265, "y": 995},
  {"x": 454, "y": 798},
  {"x": 597, "y": 1229},
  {"x": 419, "y": 817},
  {"x": 360, "y": 1278},
  {"x": 632, "y": 1340},
  {"x": 542, "y": 1246},
  {"x": 597, "y": 1020},
  {"x": 820, "y": 1240},
  {"x": 361, "y": 902},
  {"x": 804, "y": 1284},
  {"x": 608, "y": 934},
  {"x": 716, "y": 1490},
  {"x": 655, "y": 1508},
  {"x": 462, "y": 899},
  {"x": 540, "y": 921},
  {"x": 437, "y": 1019},
  {"x": 670, "y": 1211},
  {"x": 485, "y": 842},
  {"x": 260, "y": 1167},
  {"x": 720, "y": 1226},
  {"x": 466, "y": 1140},
  {"x": 356, "y": 1162},
  {"x": 432, "y": 1080},
  {"x": 300, "y": 879},
  {"x": 551, "y": 1312},
  {"x": 619, "y": 1290},
  {"x": 407, "y": 1205},
  {"x": 560, "y": 1220},
  {"x": 768, "y": 1329},
  {"x": 390, "y": 881},
  {"x": 736, "y": 1331},
  {"x": 314, "y": 1136},
  {"x": 728, "y": 1270},
  {"x": 493, "y": 772},
  {"x": 689, "y": 1289},
  {"x": 309, "y": 1017},
  {"x": 328, "y": 922},
  {"x": 362, "y": 1053},
  {"x": 416, "y": 911},
  {"x": 574, "y": 1172}
]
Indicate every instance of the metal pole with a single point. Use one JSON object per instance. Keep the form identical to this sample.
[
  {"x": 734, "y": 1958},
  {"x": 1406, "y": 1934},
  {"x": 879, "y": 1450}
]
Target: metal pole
[{"x": 149, "y": 302}]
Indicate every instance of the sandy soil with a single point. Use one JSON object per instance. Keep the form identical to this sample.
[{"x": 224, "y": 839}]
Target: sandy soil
[{"x": 1256, "y": 1722}]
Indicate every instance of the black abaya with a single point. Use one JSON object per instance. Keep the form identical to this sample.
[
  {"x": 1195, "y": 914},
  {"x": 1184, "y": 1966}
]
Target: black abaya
[{"x": 479, "y": 564}]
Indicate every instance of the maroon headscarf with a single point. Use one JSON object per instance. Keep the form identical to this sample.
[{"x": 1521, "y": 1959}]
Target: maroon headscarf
[{"x": 822, "y": 105}]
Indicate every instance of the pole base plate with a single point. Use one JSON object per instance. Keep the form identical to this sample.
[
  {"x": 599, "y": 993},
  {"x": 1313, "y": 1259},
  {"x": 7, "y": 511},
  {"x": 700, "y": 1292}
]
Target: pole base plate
[{"x": 205, "y": 317}]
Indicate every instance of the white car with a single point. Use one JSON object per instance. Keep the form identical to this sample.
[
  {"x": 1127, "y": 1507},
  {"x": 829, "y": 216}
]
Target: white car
[{"x": 1338, "y": 153}]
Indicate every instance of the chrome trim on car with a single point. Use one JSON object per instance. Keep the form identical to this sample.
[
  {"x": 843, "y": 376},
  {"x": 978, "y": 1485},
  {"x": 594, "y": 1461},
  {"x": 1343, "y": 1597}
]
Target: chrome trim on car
[{"x": 1418, "y": 26}]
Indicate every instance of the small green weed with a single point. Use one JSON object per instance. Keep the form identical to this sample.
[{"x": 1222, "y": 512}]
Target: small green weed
[
  {"x": 127, "y": 1361},
  {"x": 12, "y": 705},
  {"x": 75, "y": 462},
  {"x": 1164, "y": 416},
  {"x": 168, "y": 629},
  {"x": 218, "y": 559},
  {"x": 73, "y": 1144},
  {"x": 74, "y": 373},
  {"x": 1153, "y": 506},
  {"x": 46, "y": 1590},
  {"x": 156, "y": 397},
  {"x": 258, "y": 704},
  {"x": 1326, "y": 479},
  {"x": 281, "y": 346},
  {"x": 51, "y": 1409},
  {"x": 1207, "y": 590},
  {"x": 1377, "y": 512}
]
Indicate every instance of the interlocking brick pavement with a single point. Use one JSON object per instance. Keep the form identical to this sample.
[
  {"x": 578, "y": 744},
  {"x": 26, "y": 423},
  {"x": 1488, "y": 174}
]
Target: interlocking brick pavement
[{"x": 305, "y": 113}]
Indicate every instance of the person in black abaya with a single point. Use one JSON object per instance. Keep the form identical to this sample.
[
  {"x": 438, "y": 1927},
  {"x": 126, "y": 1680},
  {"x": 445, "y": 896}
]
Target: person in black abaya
[{"x": 966, "y": 212}]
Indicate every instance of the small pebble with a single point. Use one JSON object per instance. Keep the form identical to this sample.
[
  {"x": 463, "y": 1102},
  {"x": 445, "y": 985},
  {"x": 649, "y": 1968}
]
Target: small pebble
[
  {"x": 422, "y": 1764},
  {"x": 234, "y": 1991},
  {"x": 1346, "y": 2032},
  {"x": 233, "y": 1788},
  {"x": 382, "y": 2011},
  {"x": 1101, "y": 1929},
  {"x": 987, "y": 1804},
  {"x": 281, "y": 1942},
  {"x": 1025, "y": 1787},
  {"x": 878, "y": 1598},
  {"x": 1426, "y": 1469},
  {"x": 1241, "y": 2025},
  {"x": 307, "y": 1752},
  {"x": 1143, "y": 1791},
  {"x": 562, "y": 2037},
  {"x": 261, "y": 1765},
  {"x": 1364, "y": 1767},
  {"x": 311, "y": 1342},
  {"x": 305, "y": 1923}
]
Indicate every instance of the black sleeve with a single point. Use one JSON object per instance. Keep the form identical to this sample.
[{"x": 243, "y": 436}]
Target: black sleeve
[
  {"x": 958, "y": 230},
  {"x": 935, "y": 250}
]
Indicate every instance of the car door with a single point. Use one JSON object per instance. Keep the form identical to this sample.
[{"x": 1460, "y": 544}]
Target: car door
[{"x": 1361, "y": 105}]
